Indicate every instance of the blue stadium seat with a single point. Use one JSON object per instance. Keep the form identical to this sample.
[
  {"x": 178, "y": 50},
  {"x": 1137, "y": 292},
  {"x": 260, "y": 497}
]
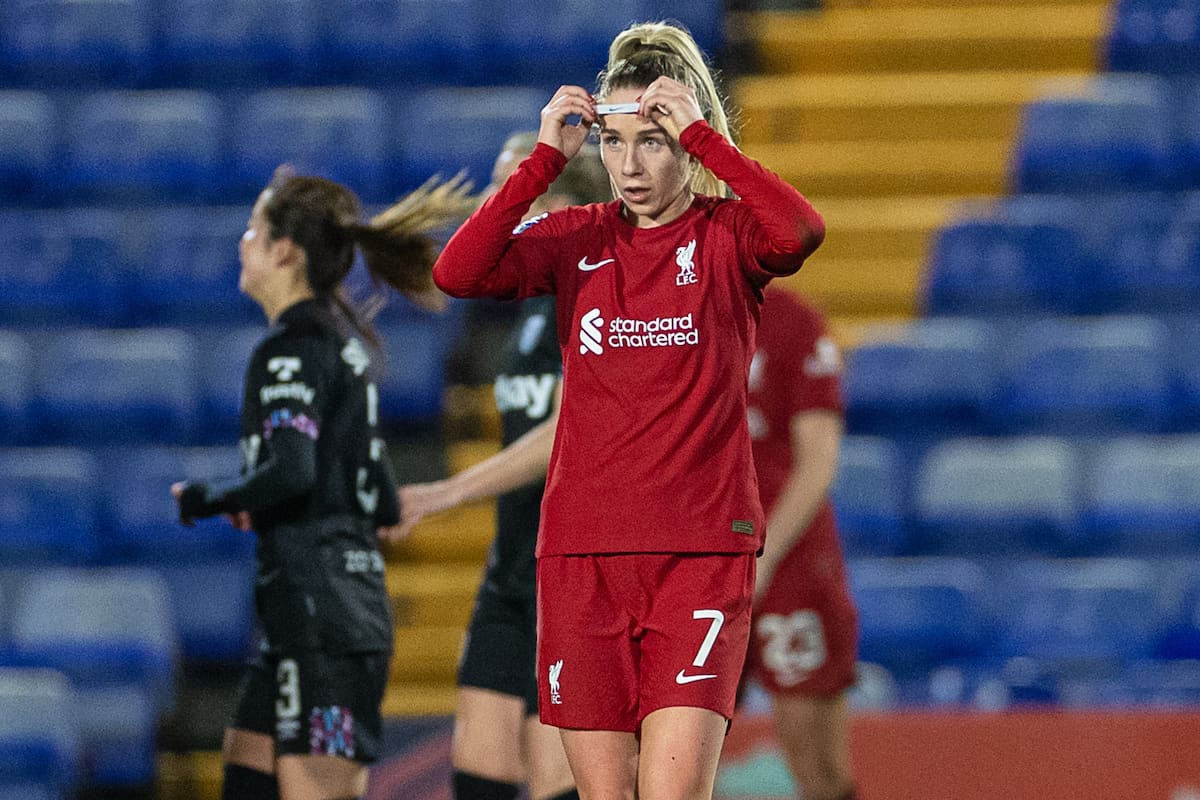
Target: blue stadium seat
[
  {"x": 1184, "y": 370},
  {"x": 705, "y": 19},
  {"x": 16, "y": 388},
  {"x": 188, "y": 271},
  {"x": 223, "y": 358},
  {"x": 998, "y": 266},
  {"x": 77, "y": 43},
  {"x": 996, "y": 496},
  {"x": 568, "y": 43},
  {"x": 1142, "y": 496},
  {"x": 1187, "y": 139},
  {"x": 427, "y": 41},
  {"x": 870, "y": 497},
  {"x": 118, "y": 386},
  {"x": 1159, "y": 36},
  {"x": 223, "y": 43},
  {"x": 1079, "y": 610},
  {"x": 923, "y": 378},
  {"x": 39, "y": 735},
  {"x": 111, "y": 632},
  {"x": 917, "y": 613},
  {"x": 336, "y": 133},
  {"x": 62, "y": 267},
  {"x": 144, "y": 146},
  {"x": 208, "y": 569},
  {"x": 1110, "y": 133},
  {"x": 1181, "y": 635},
  {"x": 471, "y": 125},
  {"x": 28, "y": 146},
  {"x": 49, "y": 506},
  {"x": 1085, "y": 377},
  {"x": 413, "y": 367}
]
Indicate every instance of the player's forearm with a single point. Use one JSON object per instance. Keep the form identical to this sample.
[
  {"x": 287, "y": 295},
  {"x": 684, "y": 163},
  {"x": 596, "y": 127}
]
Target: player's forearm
[
  {"x": 467, "y": 265},
  {"x": 289, "y": 472},
  {"x": 795, "y": 229},
  {"x": 521, "y": 463}
]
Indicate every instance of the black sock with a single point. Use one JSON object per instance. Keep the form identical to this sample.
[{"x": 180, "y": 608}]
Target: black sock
[
  {"x": 473, "y": 787},
  {"x": 243, "y": 783}
]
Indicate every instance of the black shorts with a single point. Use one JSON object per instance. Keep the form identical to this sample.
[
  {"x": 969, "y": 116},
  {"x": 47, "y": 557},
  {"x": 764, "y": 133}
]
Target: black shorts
[
  {"x": 500, "y": 653},
  {"x": 316, "y": 703}
]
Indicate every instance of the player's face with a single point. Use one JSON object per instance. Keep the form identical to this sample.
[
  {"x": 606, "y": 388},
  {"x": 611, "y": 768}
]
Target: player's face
[
  {"x": 257, "y": 255},
  {"x": 648, "y": 167}
]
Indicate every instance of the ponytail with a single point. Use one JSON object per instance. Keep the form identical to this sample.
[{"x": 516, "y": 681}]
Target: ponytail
[{"x": 648, "y": 50}]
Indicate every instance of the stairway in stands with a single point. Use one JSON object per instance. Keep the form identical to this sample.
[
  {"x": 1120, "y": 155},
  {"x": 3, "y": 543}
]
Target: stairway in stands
[{"x": 887, "y": 114}]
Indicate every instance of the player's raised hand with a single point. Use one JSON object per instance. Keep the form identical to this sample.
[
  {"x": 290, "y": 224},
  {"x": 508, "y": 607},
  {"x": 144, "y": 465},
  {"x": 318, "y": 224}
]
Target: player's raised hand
[
  {"x": 671, "y": 104},
  {"x": 556, "y": 129}
]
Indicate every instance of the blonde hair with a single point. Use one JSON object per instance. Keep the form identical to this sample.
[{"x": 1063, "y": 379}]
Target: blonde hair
[{"x": 647, "y": 50}]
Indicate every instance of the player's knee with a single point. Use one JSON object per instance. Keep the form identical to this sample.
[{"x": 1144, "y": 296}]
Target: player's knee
[
  {"x": 243, "y": 783},
  {"x": 473, "y": 787}
]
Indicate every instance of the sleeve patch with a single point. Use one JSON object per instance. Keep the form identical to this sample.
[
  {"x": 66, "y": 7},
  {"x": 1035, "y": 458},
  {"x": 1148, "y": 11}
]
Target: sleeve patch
[{"x": 529, "y": 223}]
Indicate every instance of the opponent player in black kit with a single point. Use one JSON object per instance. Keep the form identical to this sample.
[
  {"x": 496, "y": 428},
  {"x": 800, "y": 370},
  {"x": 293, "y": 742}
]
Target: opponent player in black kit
[
  {"x": 499, "y": 743},
  {"x": 315, "y": 485}
]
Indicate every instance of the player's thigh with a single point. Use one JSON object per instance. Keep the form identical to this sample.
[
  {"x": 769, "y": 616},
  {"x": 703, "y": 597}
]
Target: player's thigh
[
  {"x": 320, "y": 778},
  {"x": 680, "y": 748},
  {"x": 549, "y": 773},
  {"x": 250, "y": 738},
  {"x": 604, "y": 763},
  {"x": 487, "y": 734}
]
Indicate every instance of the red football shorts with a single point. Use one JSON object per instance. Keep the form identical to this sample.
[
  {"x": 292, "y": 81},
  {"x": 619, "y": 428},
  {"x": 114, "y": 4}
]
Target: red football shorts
[
  {"x": 621, "y": 636},
  {"x": 805, "y": 636}
]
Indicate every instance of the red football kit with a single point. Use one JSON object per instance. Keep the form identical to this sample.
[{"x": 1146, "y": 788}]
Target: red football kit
[
  {"x": 652, "y": 450},
  {"x": 804, "y": 638}
]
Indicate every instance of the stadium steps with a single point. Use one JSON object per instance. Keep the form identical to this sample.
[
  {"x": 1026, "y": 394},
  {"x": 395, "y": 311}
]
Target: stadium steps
[
  {"x": 432, "y": 578},
  {"x": 887, "y": 114}
]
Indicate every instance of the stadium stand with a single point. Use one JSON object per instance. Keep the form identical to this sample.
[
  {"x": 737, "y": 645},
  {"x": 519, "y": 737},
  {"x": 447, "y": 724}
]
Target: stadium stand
[
  {"x": 50, "y": 506},
  {"x": 39, "y": 735},
  {"x": 870, "y": 497}
]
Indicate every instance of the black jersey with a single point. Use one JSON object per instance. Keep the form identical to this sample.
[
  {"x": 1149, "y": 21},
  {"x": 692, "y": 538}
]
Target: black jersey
[
  {"x": 525, "y": 398},
  {"x": 317, "y": 482}
]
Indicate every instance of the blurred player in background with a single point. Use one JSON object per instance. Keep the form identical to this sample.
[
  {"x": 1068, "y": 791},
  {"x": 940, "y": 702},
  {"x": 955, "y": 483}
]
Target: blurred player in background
[
  {"x": 651, "y": 518},
  {"x": 316, "y": 484},
  {"x": 803, "y": 644},
  {"x": 499, "y": 743}
]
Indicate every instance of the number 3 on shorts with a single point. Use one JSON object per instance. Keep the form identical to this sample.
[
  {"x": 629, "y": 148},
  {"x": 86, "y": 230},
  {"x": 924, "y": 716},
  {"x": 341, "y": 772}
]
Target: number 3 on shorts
[
  {"x": 288, "y": 676},
  {"x": 710, "y": 638}
]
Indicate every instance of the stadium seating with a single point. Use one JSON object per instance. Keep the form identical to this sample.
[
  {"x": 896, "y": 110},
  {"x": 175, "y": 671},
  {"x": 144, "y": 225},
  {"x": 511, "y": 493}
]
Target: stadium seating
[
  {"x": 111, "y": 633},
  {"x": 62, "y": 267},
  {"x": 920, "y": 612},
  {"x": 1016, "y": 494},
  {"x": 118, "y": 386},
  {"x": 188, "y": 267},
  {"x": 240, "y": 42},
  {"x": 49, "y": 506},
  {"x": 414, "y": 369},
  {"x": 28, "y": 145},
  {"x": 869, "y": 497},
  {"x": 1160, "y": 36},
  {"x": 16, "y": 388},
  {"x": 77, "y": 43},
  {"x": 1184, "y": 371},
  {"x": 336, "y": 133},
  {"x": 1086, "y": 377},
  {"x": 1142, "y": 496},
  {"x": 1079, "y": 611},
  {"x": 471, "y": 125},
  {"x": 39, "y": 735},
  {"x": 144, "y": 146},
  {"x": 426, "y": 41},
  {"x": 1108, "y": 133},
  {"x": 224, "y": 354},
  {"x": 992, "y": 266},
  {"x": 930, "y": 377}
]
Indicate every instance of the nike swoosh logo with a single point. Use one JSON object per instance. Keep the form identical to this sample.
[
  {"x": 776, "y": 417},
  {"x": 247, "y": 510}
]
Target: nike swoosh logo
[
  {"x": 681, "y": 678},
  {"x": 586, "y": 267}
]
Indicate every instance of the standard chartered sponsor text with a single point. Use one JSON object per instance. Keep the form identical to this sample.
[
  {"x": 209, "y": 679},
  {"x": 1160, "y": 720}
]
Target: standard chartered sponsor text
[{"x": 658, "y": 332}]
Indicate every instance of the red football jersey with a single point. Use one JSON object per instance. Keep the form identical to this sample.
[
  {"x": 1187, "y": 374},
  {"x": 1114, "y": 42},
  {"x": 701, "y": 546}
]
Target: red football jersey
[{"x": 657, "y": 327}]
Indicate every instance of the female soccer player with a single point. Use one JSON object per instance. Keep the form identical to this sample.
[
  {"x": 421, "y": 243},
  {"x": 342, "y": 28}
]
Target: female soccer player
[
  {"x": 498, "y": 741},
  {"x": 315, "y": 485},
  {"x": 651, "y": 517},
  {"x": 804, "y": 642}
]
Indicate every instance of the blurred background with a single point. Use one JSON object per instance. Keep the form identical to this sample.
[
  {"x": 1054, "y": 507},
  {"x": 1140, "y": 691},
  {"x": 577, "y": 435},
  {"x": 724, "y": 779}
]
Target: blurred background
[{"x": 1012, "y": 192}]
